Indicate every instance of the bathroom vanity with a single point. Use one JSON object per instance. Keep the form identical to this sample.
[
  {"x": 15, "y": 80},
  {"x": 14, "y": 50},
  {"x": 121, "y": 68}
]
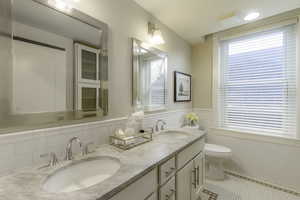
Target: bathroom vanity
[
  {"x": 180, "y": 177},
  {"x": 168, "y": 168}
]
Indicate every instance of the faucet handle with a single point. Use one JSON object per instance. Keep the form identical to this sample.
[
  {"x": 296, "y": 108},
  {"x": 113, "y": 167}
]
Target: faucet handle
[
  {"x": 163, "y": 127},
  {"x": 149, "y": 129},
  {"x": 68, "y": 154},
  {"x": 53, "y": 161}
]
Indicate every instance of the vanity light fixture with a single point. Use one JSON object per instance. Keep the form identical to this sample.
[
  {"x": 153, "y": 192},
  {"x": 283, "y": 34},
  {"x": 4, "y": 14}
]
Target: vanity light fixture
[
  {"x": 63, "y": 5},
  {"x": 155, "y": 34},
  {"x": 251, "y": 16}
]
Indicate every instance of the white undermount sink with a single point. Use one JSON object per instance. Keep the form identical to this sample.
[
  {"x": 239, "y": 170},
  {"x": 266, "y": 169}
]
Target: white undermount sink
[
  {"x": 172, "y": 133},
  {"x": 82, "y": 174}
]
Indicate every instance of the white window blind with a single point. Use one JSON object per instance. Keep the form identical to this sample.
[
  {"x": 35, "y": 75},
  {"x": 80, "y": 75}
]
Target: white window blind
[{"x": 257, "y": 90}]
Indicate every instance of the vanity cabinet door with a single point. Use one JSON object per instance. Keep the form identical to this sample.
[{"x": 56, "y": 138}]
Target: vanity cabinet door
[
  {"x": 198, "y": 173},
  {"x": 141, "y": 189},
  {"x": 185, "y": 180},
  {"x": 168, "y": 191},
  {"x": 189, "y": 153}
]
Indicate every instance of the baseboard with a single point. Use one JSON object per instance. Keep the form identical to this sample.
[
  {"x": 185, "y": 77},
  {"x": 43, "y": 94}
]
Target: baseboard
[{"x": 270, "y": 185}]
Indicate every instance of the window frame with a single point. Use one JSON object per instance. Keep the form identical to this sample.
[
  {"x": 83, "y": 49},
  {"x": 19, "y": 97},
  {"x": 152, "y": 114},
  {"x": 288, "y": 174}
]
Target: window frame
[{"x": 217, "y": 73}]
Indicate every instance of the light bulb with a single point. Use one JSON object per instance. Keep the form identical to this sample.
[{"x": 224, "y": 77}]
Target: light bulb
[
  {"x": 63, "y": 5},
  {"x": 145, "y": 45},
  {"x": 251, "y": 16},
  {"x": 157, "y": 38},
  {"x": 60, "y": 4}
]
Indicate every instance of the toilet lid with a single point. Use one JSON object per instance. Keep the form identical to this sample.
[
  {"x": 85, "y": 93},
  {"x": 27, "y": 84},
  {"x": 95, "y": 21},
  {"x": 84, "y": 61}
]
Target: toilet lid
[{"x": 217, "y": 150}]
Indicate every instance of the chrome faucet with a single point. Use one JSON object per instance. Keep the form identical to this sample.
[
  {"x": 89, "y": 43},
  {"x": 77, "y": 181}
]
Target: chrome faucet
[
  {"x": 52, "y": 162},
  {"x": 69, "y": 152},
  {"x": 162, "y": 127}
]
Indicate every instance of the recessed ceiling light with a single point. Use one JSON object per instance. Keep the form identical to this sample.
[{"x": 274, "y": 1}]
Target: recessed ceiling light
[{"x": 251, "y": 16}]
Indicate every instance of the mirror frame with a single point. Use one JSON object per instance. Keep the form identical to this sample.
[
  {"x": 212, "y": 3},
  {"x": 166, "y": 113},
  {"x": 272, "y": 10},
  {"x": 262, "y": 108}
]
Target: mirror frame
[
  {"x": 84, "y": 18},
  {"x": 79, "y": 116},
  {"x": 135, "y": 72}
]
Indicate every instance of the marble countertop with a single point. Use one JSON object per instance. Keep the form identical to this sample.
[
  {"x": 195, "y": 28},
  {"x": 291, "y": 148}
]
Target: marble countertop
[{"x": 26, "y": 184}]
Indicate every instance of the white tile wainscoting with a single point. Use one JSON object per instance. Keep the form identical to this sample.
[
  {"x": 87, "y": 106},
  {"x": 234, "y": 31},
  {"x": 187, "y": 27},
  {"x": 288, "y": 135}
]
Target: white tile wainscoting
[
  {"x": 24, "y": 149},
  {"x": 206, "y": 117},
  {"x": 270, "y": 159}
]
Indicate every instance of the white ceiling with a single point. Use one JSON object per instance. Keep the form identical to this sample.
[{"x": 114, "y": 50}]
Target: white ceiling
[
  {"x": 192, "y": 19},
  {"x": 34, "y": 14}
]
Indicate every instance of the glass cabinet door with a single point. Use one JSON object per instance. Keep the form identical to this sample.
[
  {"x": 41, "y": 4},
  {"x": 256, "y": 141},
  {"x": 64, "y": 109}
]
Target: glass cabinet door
[
  {"x": 87, "y": 62},
  {"x": 88, "y": 96},
  {"x": 87, "y": 78},
  {"x": 89, "y": 99},
  {"x": 88, "y": 65}
]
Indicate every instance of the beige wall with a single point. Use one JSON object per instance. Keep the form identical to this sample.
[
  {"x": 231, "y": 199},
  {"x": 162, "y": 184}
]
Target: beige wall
[
  {"x": 126, "y": 19},
  {"x": 202, "y": 73},
  {"x": 5, "y": 57}
]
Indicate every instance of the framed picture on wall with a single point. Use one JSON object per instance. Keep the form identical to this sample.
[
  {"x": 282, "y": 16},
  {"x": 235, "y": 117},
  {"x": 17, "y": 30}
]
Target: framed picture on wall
[{"x": 183, "y": 87}]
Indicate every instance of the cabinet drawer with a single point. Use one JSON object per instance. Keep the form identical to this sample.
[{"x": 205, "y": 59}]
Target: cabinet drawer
[
  {"x": 189, "y": 153},
  {"x": 167, "y": 170},
  {"x": 168, "y": 191},
  {"x": 139, "y": 190}
]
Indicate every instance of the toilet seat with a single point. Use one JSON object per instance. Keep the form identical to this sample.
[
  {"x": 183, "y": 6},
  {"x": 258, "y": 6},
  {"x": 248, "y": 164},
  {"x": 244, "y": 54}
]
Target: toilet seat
[{"x": 217, "y": 151}]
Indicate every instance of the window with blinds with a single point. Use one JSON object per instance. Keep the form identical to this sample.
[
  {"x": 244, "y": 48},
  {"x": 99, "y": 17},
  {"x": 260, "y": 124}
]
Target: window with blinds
[{"x": 257, "y": 90}]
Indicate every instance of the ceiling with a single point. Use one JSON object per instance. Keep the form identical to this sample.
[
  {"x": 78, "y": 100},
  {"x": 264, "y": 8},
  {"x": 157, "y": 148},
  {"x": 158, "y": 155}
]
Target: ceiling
[
  {"x": 34, "y": 14},
  {"x": 192, "y": 19}
]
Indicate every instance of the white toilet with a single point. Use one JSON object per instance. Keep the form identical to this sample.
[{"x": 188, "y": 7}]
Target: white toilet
[{"x": 215, "y": 156}]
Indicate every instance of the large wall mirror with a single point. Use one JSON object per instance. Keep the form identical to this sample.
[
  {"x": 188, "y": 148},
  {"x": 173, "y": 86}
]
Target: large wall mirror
[
  {"x": 150, "y": 90},
  {"x": 59, "y": 68}
]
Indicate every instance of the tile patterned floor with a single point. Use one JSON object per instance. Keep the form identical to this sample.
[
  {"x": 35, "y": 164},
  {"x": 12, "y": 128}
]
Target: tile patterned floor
[
  {"x": 210, "y": 195},
  {"x": 247, "y": 190}
]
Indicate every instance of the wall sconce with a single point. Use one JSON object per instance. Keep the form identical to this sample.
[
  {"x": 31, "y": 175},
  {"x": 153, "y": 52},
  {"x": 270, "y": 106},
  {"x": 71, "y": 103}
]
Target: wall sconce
[
  {"x": 155, "y": 34},
  {"x": 63, "y": 5}
]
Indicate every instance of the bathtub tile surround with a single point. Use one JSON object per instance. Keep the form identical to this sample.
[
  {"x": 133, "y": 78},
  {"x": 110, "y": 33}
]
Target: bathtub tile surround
[{"x": 30, "y": 148}]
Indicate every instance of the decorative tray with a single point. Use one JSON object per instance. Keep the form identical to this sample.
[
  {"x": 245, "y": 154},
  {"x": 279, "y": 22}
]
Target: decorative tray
[{"x": 126, "y": 143}]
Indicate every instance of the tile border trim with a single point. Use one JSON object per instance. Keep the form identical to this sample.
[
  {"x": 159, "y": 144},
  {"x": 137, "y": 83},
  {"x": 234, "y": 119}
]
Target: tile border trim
[
  {"x": 211, "y": 195},
  {"x": 279, "y": 188}
]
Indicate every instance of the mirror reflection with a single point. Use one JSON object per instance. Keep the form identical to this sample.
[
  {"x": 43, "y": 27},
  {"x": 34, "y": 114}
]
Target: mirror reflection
[
  {"x": 149, "y": 77},
  {"x": 59, "y": 67}
]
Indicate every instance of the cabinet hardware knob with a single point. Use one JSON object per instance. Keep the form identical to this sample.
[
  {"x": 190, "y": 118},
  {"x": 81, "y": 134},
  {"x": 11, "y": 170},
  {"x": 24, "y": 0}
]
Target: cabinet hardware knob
[
  {"x": 168, "y": 196},
  {"x": 168, "y": 173}
]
